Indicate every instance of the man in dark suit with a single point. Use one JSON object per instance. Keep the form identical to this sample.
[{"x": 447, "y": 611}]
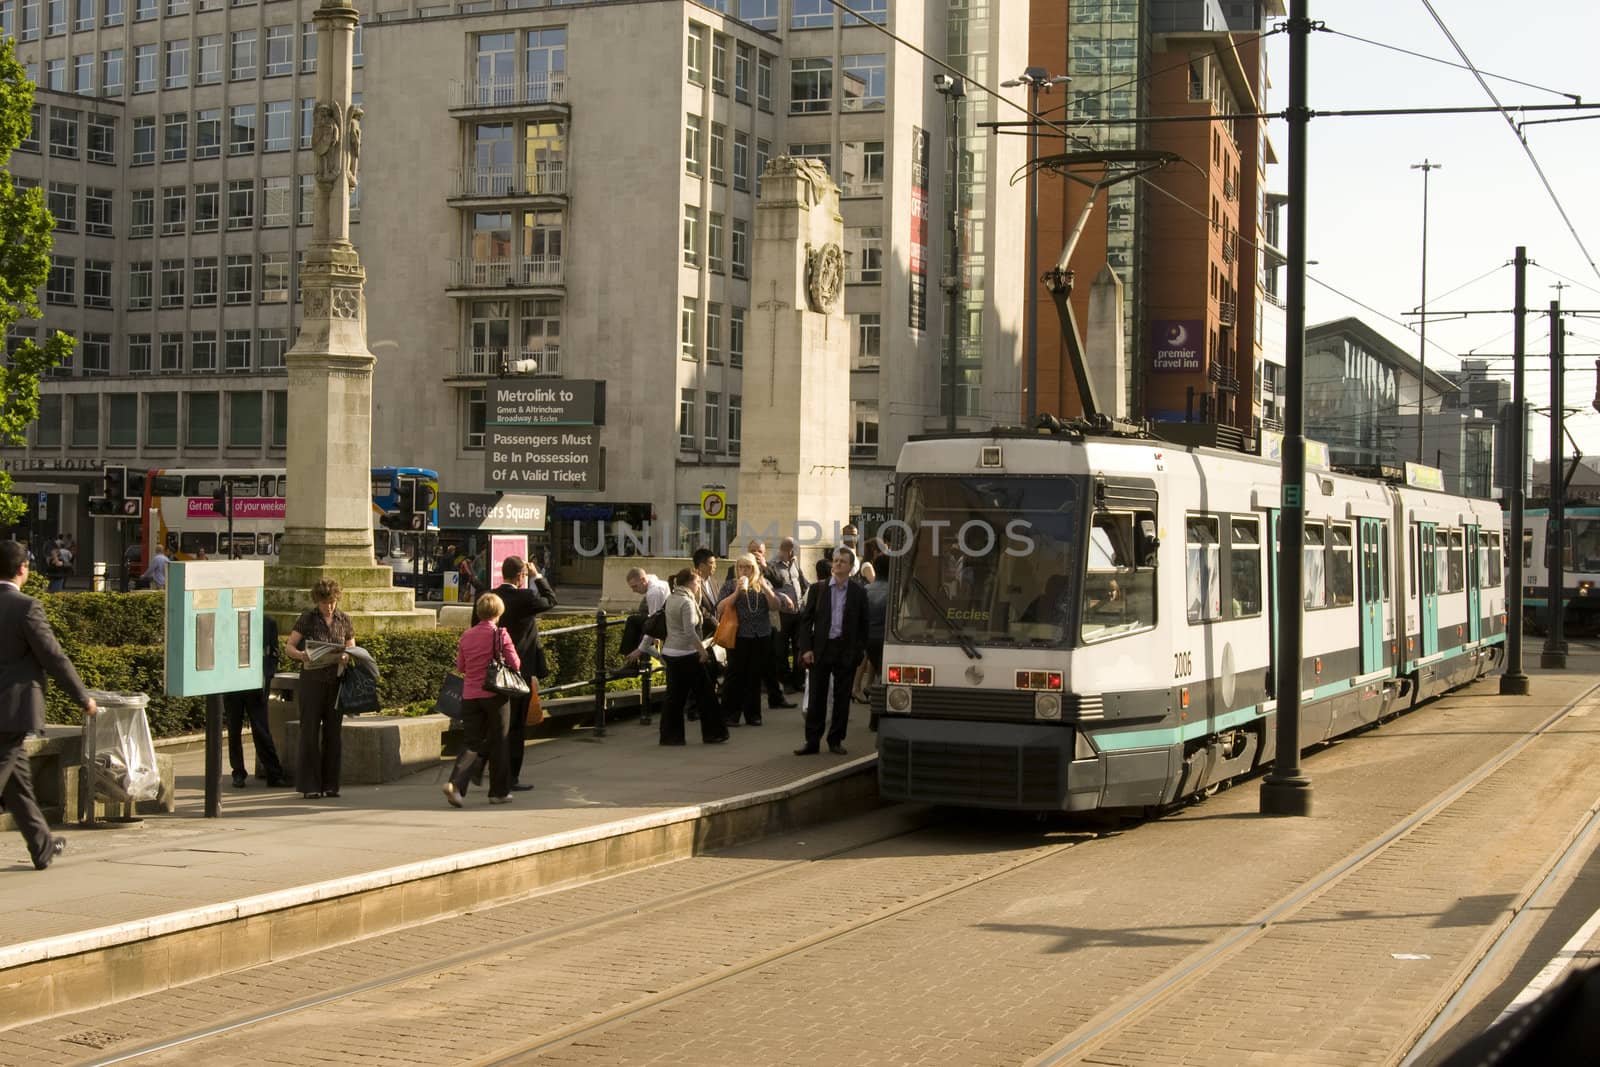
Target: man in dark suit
[
  {"x": 28, "y": 651},
  {"x": 523, "y": 607},
  {"x": 252, "y": 704},
  {"x": 832, "y": 638}
]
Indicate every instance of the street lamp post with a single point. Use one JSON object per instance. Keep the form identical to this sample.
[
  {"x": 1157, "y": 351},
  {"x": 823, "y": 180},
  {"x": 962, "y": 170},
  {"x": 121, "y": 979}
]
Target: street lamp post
[
  {"x": 954, "y": 90},
  {"x": 1422, "y": 329},
  {"x": 1038, "y": 80}
]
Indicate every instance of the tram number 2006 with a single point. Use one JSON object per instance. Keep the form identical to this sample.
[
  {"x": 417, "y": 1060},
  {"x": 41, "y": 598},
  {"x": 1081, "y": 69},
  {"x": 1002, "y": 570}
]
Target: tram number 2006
[{"x": 1182, "y": 664}]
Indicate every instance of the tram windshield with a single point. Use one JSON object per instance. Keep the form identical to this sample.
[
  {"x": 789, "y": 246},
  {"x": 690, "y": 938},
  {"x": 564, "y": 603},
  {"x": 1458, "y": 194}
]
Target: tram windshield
[
  {"x": 1584, "y": 553},
  {"x": 987, "y": 560}
]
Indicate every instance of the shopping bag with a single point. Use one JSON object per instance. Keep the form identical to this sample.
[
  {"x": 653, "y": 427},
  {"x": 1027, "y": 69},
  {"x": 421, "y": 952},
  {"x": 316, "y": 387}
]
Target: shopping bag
[
  {"x": 358, "y": 692},
  {"x": 536, "y": 713},
  {"x": 448, "y": 702},
  {"x": 727, "y": 629}
]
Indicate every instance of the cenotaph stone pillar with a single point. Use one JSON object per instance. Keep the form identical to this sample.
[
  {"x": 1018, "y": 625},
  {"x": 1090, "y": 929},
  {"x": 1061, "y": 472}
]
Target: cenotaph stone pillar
[
  {"x": 328, "y": 522},
  {"x": 794, "y": 463}
]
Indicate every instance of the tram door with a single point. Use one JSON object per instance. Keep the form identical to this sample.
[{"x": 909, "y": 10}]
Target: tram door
[
  {"x": 1474, "y": 623},
  {"x": 1428, "y": 588},
  {"x": 1371, "y": 596}
]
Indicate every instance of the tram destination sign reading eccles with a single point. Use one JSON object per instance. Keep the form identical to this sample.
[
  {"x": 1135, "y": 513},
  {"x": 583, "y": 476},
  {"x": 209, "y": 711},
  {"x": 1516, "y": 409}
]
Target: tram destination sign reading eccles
[{"x": 543, "y": 435}]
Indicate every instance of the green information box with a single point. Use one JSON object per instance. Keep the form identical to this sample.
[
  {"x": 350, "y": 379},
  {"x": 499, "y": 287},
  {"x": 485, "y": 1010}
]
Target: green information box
[{"x": 214, "y": 627}]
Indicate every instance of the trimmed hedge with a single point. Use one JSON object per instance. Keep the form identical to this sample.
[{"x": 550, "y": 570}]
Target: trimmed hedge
[{"x": 116, "y": 640}]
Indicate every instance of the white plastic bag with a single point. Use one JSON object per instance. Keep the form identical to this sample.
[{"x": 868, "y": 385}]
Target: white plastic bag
[{"x": 124, "y": 755}]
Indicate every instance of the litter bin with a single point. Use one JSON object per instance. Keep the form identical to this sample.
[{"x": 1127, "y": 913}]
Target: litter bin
[
  {"x": 119, "y": 759},
  {"x": 98, "y": 581}
]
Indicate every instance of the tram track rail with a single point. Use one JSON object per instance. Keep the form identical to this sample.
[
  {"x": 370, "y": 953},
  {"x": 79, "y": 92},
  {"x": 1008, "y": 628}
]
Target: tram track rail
[{"x": 1102, "y": 1027}]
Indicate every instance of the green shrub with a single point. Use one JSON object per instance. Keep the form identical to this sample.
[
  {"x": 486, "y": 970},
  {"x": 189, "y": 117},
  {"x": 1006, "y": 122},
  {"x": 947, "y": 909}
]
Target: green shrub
[{"x": 88, "y": 619}]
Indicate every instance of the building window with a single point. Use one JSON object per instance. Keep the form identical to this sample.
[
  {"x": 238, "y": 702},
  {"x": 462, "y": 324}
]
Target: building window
[
  {"x": 695, "y": 62},
  {"x": 280, "y": 50},
  {"x": 274, "y": 202},
  {"x": 764, "y": 82},
  {"x": 241, "y": 129},
  {"x": 122, "y": 420},
  {"x": 272, "y": 342},
  {"x": 138, "y": 353},
  {"x": 861, "y": 166},
  {"x": 864, "y": 246},
  {"x": 97, "y": 351},
  {"x": 174, "y": 210},
  {"x": 474, "y": 418},
  {"x": 96, "y": 283},
  {"x": 744, "y": 57},
  {"x": 811, "y": 15},
  {"x": 161, "y": 420},
  {"x": 173, "y": 272},
  {"x": 864, "y": 429},
  {"x": 686, "y": 434},
  {"x": 241, "y": 204},
  {"x": 736, "y": 338},
  {"x": 141, "y": 285},
  {"x": 61, "y": 285},
  {"x": 689, "y": 328},
  {"x": 111, "y": 72},
  {"x": 869, "y": 340},
  {"x": 693, "y": 145},
  {"x": 719, "y": 64},
  {"x": 762, "y": 14},
  {"x": 47, "y": 428},
  {"x": 741, "y": 249},
  {"x": 144, "y": 140},
  {"x": 280, "y": 418},
  {"x": 82, "y": 16},
  {"x": 236, "y": 350},
  {"x": 55, "y": 75},
  {"x": 763, "y": 153},
  {"x": 713, "y": 421},
  {"x": 719, "y": 153},
  {"x": 308, "y": 194},
  {"x": 203, "y": 351},
  {"x": 172, "y": 346},
  {"x": 863, "y": 81},
  {"x": 821, "y": 151},
  {"x": 142, "y": 213},
  {"x": 870, "y": 11},
  {"x": 177, "y": 65},
  {"x": 275, "y": 277},
  {"x": 203, "y": 275},
  {"x": 101, "y": 146},
  {"x": 714, "y": 235},
  {"x": 308, "y": 48},
  {"x": 741, "y": 162},
  {"x": 811, "y": 85},
  {"x": 201, "y": 431},
  {"x": 98, "y": 209},
  {"x": 63, "y": 204},
  {"x": 175, "y": 137},
  {"x": 691, "y": 236},
  {"x": 208, "y": 133},
  {"x": 239, "y": 276},
  {"x": 244, "y": 420},
  {"x": 207, "y": 207},
  {"x": 208, "y": 60},
  {"x": 243, "y": 54},
  {"x": 278, "y": 116},
  {"x": 735, "y": 422},
  {"x": 144, "y": 68},
  {"x": 713, "y": 333},
  {"x": 63, "y": 133},
  {"x": 85, "y": 420},
  {"x": 83, "y": 74}
]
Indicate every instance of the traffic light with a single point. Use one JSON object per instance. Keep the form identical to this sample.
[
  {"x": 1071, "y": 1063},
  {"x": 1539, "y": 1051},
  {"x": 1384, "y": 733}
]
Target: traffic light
[
  {"x": 219, "y": 500},
  {"x": 116, "y": 482}
]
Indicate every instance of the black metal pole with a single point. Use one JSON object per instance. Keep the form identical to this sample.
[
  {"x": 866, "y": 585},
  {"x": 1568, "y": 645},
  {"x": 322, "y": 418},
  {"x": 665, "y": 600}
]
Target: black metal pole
[
  {"x": 952, "y": 293},
  {"x": 1514, "y": 682},
  {"x": 1032, "y": 305},
  {"x": 600, "y": 673},
  {"x": 227, "y": 496},
  {"x": 1555, "y": 643},
  {"x": 213, "y": 755},
  {"x": 1285, "y": 790}
]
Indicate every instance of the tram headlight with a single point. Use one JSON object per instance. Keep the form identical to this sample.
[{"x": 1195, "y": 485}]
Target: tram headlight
[
  {"x": 1047, "y": 705},
  {"x": 897, "y": 699}
]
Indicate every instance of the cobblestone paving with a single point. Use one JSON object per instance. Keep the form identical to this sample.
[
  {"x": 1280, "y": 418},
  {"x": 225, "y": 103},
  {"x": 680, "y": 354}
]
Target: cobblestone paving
[{"x": 996, "y": 973}]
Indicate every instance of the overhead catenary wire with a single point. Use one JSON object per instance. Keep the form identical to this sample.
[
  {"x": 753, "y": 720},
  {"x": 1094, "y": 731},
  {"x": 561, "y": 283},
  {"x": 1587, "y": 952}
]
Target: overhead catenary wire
[{"x": 1323, "y": 28}]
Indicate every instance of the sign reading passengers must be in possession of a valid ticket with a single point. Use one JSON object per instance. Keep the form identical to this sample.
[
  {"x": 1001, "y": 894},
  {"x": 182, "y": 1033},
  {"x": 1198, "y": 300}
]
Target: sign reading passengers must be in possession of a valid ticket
[{"x": 543, "y": 435}]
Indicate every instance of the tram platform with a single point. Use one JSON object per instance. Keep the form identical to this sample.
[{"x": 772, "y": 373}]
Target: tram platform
[{"x": 176, "y": 898}]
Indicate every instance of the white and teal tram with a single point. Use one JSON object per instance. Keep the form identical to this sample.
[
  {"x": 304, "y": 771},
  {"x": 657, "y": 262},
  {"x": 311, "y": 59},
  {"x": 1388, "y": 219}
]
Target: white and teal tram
[{"x": 1082, "y": 622}]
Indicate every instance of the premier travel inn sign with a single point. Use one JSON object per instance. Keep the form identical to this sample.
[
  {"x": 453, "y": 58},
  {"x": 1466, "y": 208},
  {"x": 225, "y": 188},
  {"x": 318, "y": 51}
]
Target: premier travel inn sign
[{"x": 544, "y": 435}]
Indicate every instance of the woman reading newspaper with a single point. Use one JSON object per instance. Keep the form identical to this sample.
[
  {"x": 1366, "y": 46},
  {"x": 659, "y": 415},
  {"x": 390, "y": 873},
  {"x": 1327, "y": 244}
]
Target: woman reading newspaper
[{"x": 319, "y": 640}]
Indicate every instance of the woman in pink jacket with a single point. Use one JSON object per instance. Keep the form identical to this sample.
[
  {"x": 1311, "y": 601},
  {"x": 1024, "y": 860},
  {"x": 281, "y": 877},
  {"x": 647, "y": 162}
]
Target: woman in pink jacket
[{"x": 483, "y": 711}]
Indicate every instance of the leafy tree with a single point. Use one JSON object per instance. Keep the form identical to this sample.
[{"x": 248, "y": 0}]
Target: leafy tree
[{"x": 25, "y": 243}]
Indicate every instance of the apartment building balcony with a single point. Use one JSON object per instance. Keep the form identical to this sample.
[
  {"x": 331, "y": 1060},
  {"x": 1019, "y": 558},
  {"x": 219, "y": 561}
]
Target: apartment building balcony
[
  {"x": 1227, "y": 249},
  {"x": 533, "y": 274},
  {"x": 509, "y": 362},
  {"x": 545, "y": 179},
  {"x": 539, "y": 93},
  {"x": 1227, "y": 312}
]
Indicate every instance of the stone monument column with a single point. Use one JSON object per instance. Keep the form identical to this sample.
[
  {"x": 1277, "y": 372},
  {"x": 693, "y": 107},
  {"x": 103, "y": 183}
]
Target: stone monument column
[
  {"x": 328, "y": 523},
  {"x": 794, "y": 464}
]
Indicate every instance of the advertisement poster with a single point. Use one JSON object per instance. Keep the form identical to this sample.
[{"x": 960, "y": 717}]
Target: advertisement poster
[
  {"x": 918, "y": 301},
  {"x": 1179, "y": 344},
  {"x": 501, "y": 548}
]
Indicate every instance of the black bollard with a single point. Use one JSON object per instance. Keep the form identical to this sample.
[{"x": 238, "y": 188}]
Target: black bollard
[
  {"x": 213, "y": 755},
  {"x": 646, "y": 672}
]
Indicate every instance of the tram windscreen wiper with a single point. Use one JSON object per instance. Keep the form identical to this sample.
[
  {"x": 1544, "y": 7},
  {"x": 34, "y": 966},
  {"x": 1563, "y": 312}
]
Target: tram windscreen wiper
[{"x": 961, "y": 636}]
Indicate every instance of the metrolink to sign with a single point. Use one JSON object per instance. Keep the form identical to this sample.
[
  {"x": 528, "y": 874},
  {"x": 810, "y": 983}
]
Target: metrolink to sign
[{"x": 526, "y": 457}]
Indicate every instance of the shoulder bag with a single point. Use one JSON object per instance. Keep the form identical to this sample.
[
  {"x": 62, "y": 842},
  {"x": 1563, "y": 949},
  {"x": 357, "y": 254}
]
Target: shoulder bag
[
  {"x": 499, "y": 678},
  {"x": 727, "y": 634}
]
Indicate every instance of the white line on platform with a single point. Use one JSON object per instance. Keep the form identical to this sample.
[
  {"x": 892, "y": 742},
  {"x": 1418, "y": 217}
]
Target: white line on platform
[{"x": 1553, "y": 970}]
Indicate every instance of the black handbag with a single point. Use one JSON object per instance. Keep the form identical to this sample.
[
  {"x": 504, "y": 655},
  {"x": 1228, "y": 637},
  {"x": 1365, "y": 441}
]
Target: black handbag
[
  {"x": 358, "y": 692},
  {"x": 499, "y": 678}
]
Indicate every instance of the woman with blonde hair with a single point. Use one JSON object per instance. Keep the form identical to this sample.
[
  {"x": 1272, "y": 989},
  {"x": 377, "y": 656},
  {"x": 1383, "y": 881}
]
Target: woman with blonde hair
[
  {"x": 317, "y": 697},
  {"x": 484, "y": 713},
  {"x": 753, "y": 598}
]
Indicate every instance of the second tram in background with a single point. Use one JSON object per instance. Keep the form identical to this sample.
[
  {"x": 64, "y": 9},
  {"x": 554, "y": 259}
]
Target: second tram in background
[
  {"x": 1084, "y": 622},
  {"x": 1580, "y": 562}
]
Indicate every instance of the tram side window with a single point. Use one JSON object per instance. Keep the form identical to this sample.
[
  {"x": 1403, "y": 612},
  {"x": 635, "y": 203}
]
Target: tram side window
[
  {"x": 1492, "y": 574},
  {"x": 1341, "y": 561},
  {"x": 1383, "y": 557},
  {"x": 1527, "y": 548},
  {"x": 1244, "y": 567},
  {"x": 1118, "y": 598},
  {"x": 1314, "y": 570},
  {"x": 1441, "y": 561},
  {"x": 1457, "y": 563},
  {"x": 1204, "y": 568}
]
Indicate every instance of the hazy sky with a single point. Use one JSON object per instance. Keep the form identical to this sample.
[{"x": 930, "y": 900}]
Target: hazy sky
[{"x": 1364, "y": 201}]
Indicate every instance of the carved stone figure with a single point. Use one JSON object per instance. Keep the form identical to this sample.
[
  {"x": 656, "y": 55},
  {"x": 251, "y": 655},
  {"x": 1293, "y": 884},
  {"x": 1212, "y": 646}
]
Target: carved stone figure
[
  {"x": 353, "y": 142},
  {"x": 813, "y": 176},
  {"x": 824, "y": 277},
  {"x": 325, "y": 143}
]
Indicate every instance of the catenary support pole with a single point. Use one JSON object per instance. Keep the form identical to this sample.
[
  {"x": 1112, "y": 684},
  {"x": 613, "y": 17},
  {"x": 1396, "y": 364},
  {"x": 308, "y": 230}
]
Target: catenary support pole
[
  {"x": 1285, "y": 790},
  {"x": 1514, "y": 682},
  {"x": 1555, "y": 643}
]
